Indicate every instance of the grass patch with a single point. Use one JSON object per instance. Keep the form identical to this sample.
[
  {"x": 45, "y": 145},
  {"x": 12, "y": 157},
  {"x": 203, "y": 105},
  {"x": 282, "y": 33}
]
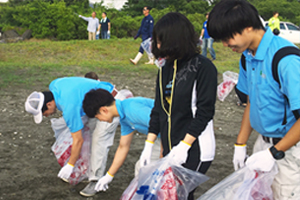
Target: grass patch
[{"x": 40, "y": 61}]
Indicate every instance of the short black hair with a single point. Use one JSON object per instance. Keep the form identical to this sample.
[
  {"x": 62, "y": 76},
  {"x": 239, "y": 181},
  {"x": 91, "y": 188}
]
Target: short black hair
[
  {"x": 105, "y": 13},
  {"x": 95, "y": 99},
  {"x": 148, "y": 8},
  {"x": 275, "y": 12},
  {"x": 48, "y": 96},
  {"x": 177, "y": 37},
  {"x": 91, "y": 75},
  {"x": 230, "y": 17}
]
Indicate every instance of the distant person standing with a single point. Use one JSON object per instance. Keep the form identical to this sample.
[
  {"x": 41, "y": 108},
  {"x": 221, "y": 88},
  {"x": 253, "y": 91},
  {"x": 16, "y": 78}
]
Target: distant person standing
[
  {"x": 104, "y": 25},
  {"x": 93, "y": 23},
  {"x": 146, "y": 32},
  {"x": 274, "y": 23},
  {"x": 207, "y": 41}
]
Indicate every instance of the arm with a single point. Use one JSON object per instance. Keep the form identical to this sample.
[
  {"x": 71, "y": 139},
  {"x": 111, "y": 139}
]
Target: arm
[
  {"x": 246, "y": 129},
  {"x": 99, "y": 27},
  {"x": 202, "y": 33},
  {"x": 76, "y": 147},
  {"x": 108, "y": 26},
  {"x": 151, "y": 27},
  {"x": 290, "y": 139},
  {"x": 85, "y": 18},
  {"x": 121, "y": 153}
]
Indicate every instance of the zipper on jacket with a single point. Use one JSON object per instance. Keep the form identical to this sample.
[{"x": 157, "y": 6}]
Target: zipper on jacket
[{"x": 171, "y": 100}]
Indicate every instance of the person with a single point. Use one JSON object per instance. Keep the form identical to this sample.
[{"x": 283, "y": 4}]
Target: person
[
  {"x": 104, "y": 26},
  {"x": 134, "y": 116},
  {"x": 92, "y": 75},
  {"x": 66, "y": 94},
  {"x": 278, "y": 140},
  {"x": 185, "y": 97},
  {"x": 207, "y": 41},
  {"x": 274, "y": 23},
  {"x": 241, "y": 96},
  {"x": 93, "y": 23},
  {"x": 146, "y": 31}
]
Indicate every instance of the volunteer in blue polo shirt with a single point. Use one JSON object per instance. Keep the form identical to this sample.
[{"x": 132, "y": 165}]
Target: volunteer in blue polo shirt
[
  {"x": 104, "y": 26},
  {"x": 146, "y": 32},
  {"x": 278, "y": 141},
  {"x": 66, "y": 94},
  {"x": 134, "y": 116},
  {"x": 207, "y": 41}
]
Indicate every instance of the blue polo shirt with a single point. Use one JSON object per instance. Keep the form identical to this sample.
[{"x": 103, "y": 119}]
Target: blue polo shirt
[
  {"x": 266, "y": 98},
  {"x": 134, "y": 114},
  {"x": 68, "y": 95},
  {"x": 206, "y": 35}
]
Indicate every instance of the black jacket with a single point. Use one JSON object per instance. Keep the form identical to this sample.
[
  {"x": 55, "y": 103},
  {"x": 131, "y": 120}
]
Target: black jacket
[{"x": 192, "y": 105}]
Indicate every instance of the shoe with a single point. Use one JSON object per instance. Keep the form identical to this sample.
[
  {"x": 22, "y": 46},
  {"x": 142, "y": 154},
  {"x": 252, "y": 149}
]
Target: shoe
[
  {"x": 150, "y": 62},
  {"x": 65, "y": 180},
  {"x": 137, "y": 58},
  {"x": 89, "y": 190}
]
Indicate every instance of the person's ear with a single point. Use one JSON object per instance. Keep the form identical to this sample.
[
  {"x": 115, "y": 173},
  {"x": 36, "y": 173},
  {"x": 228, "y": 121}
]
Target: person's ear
[
  {"x": 50, "y": 104},
  {"x": 103, "y": 109}
]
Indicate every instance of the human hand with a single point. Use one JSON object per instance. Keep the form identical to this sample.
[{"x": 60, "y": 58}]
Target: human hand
[
  {"x": 108, "y": 32},
  {"x": 66, "y": 171},
  {"x": 146, "y": 153},
  {"x": 98, "y": 32},
  {"x": 80, "y": 15},
  {"x": 102, "y": 184},
  {"x": 179, "y": 153},
  {"x": 135, "y": 37},
  {"x": 239, "y": 156},
  {"x": 261, "y": 161}
]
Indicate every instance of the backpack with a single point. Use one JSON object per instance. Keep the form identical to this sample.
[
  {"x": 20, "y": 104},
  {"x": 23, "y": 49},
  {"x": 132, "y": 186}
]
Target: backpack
[{"x": 281, "y": 53}]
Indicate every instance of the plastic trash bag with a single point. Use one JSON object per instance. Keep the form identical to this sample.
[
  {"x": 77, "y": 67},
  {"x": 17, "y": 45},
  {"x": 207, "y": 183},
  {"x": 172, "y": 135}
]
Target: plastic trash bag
[
  {"x": 147, "y": 46},
  {"x": 63, "y": 146},
  {"x": 162, "y": 180},
  {"x": 244, "y": 184},
  {"x": 125, "y": 94},
  {"x": 230, "y": 79}
]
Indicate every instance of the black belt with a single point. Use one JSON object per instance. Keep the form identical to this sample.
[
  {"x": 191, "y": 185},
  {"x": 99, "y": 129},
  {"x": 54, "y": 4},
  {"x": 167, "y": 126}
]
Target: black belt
[{"x": 270, "y": 140}]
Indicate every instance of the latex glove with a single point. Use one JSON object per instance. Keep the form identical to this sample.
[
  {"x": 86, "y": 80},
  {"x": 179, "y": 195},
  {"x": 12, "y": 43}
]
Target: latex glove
[
  {"x": 179, "y": 153},
  {"x": 146, "y": 153},
  {"x": 239, "y": 156},
  {"x": 102, "y": 184},
  {"x": 261, "y": 161},
  {"x": 98, "y": 32},
  {"x": 108, "y": 32},
  {"x": 135, "y": 37},
  {"x": 66, "y": 171}
]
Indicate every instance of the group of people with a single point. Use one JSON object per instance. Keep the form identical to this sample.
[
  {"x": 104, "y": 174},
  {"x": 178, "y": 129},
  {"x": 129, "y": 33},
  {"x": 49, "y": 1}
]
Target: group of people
[
  {"x": 179, "y": 121},
  {"x": 95, "y": 27}
]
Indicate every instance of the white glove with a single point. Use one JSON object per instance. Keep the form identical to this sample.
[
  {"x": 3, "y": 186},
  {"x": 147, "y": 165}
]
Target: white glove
[
  {"x": 261, "y": 161},
  {"x": 80, "y": 15},
  {"x": 179, "y": 153},
  {"x": 146, "y": 154},
  {"x": 98, "y": 32},
  {"x": 102, "y": 184},
  {"x": 239, "y": 156},
  {"x": 200, "y": 38},
  {"x": 108, "y": 32},
  {"x": 66, "y": 171}
]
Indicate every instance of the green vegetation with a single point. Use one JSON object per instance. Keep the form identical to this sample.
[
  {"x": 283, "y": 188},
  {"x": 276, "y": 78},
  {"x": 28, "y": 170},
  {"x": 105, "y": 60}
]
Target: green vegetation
[{"x": 38, "y": 62}]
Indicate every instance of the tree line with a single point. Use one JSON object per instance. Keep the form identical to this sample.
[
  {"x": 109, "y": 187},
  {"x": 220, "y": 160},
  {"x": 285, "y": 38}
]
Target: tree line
[{"x": 58, "y": 19}]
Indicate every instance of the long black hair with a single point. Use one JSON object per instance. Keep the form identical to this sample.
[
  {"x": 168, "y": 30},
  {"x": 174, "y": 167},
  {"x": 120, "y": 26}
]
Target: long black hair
[{"x": 176, "y": 36}]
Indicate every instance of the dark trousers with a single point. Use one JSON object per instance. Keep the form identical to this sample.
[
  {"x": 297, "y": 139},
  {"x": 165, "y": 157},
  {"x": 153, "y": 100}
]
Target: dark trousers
[
  {"x": 241, "y": 95},
  {"x": 203, "y": 169}
]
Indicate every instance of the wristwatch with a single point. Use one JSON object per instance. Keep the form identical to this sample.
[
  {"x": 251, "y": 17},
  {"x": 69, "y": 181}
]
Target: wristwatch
[{"x": 277, "y": 154}]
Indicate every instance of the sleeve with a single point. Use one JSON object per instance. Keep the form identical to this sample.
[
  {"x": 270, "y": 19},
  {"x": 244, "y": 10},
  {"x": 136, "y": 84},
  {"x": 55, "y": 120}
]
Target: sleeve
[
  {"x": 242, "y": 82},
  {"x": 151, "y": 24},
  {"x": 289, "y": 73},
  {"x": 106, "y": 86},
  {"x": 97, "y": 24},
  {"x": 125, "y": 129},
  {"x": 71, "y": 115},
  {"x": 140, "y": 29},
  {"x": 108, "y": 21},
  {"x": 154, "y": 125},
  {"x": 206, "y": 97},
  {"x": 85, "y": 18}
]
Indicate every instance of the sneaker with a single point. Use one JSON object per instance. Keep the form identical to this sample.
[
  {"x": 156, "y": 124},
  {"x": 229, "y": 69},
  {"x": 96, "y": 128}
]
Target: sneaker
[{"x": 89, "y": 190}]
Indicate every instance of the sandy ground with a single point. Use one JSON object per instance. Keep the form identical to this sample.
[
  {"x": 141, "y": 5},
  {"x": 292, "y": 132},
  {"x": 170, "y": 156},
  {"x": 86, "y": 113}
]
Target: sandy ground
[{"x": 28, "y": 168}]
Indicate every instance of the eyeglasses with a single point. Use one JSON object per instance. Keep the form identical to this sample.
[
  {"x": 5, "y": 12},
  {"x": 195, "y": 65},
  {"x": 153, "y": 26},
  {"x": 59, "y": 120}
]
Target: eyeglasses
[{"x": 145, "y": 9}]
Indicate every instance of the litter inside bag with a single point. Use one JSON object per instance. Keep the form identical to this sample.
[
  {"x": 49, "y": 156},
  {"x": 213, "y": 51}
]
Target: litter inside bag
[
  {"x": 230, "y": 79},
  {"x": 162, "y": 180},
  {"x": 63, "y": 146},
  {"x": 243, "y": 184},
  {"x": 147, "y": 46}
]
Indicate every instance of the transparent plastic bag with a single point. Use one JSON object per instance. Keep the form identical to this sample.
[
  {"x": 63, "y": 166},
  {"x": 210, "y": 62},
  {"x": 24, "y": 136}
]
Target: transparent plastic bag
[
  {"x": 126, "y": 93},
  {"x": 162, "y": 180},
  {"x": 230, "y": 79},
  {"x": 147, "y": 46},
  {"x": 63, "y": 146},
  {"x": 243, "y": 184}
]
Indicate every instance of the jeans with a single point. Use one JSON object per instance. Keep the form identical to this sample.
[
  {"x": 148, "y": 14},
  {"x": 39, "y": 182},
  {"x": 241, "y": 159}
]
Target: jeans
[
  {"x": 104, "y": 35},
  {"x": 207, "y": 43}
]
